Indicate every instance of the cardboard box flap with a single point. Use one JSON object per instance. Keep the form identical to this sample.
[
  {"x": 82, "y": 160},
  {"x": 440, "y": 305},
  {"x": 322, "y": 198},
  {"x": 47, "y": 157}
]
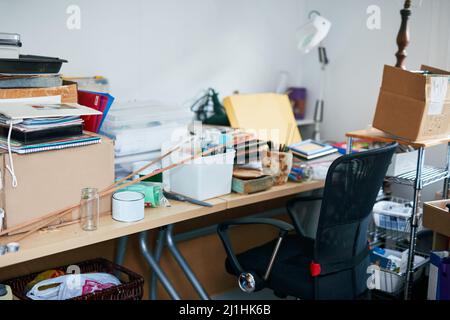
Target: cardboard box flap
[
  {"x": 434, "y": 70},
  {"x": 401, "y": 112},
  {"x": 412, "y": 85}
]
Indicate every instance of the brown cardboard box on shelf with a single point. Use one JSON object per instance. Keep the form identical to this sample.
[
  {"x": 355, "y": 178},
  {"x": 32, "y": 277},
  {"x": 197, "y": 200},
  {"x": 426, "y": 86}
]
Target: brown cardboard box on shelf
[
  {"x": 436, "y": 217},
  {"x": 68, "y": 92},
  {"x": 52, "y": 180},
  {"x": 413, "y": 106}
]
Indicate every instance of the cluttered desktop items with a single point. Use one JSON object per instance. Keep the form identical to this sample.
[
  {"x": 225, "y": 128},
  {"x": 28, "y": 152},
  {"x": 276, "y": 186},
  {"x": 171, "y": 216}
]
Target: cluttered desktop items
[
  {"x": 230, "y": 158},
  {"x": 53, "y": 122}
]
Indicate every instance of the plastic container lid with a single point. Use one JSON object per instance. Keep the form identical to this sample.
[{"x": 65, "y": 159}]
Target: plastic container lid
[
  {"x": 143, "y": 114},
  {"x": 10, "y": 39},
  {"x": 128, "y": 196}
]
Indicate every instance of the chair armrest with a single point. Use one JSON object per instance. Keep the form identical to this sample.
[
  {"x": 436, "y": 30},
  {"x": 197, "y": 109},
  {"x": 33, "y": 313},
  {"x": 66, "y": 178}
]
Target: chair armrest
[
  {"x": 281, "y": 225},
  {"x": 222, "y": 228}
]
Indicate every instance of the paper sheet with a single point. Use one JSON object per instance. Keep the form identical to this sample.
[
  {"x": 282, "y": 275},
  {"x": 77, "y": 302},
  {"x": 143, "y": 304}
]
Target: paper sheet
[{"x": 32, "y": 100}]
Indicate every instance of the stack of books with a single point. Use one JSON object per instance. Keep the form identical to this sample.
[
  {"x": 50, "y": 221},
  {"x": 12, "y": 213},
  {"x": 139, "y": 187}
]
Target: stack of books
[
  {"x": 312, "y": 160},
  {"x": 309, "y": 150},
  {"x": 249, "y": 149},
  {"x": 42, "y": 112},
  {"x": 27, "y": 128}
]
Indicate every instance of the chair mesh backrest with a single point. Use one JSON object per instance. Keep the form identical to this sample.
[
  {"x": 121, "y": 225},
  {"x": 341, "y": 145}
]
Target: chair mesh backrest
[{"x": 351, "y": 188}]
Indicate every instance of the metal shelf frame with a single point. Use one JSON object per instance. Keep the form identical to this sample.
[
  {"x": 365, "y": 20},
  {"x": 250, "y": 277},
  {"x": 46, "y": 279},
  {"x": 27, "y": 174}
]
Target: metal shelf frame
[
  {"x": 418, "y": 179},
  {"x": 430, "y": 175}
]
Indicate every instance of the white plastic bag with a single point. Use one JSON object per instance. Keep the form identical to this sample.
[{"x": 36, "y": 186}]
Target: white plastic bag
[{"x": 71, "y": 286}]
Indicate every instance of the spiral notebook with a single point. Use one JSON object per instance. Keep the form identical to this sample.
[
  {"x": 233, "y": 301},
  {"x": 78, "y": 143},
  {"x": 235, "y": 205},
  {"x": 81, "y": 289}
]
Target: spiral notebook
[{"x": 73, "y": 142}]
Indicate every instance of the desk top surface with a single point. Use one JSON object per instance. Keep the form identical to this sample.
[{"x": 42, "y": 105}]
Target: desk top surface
[
  {"x": 45, "y": 243},
  {"x": 378, "y": 135}
]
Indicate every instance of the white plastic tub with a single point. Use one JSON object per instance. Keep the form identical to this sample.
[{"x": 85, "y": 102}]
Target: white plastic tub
[
  {"x": 204, "y": 178},
  {"x": 392, "y": 215}
]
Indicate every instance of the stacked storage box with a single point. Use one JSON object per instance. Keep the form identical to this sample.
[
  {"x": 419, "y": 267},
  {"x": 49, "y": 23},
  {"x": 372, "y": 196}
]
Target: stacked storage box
[{"x": 139, "y": 130}]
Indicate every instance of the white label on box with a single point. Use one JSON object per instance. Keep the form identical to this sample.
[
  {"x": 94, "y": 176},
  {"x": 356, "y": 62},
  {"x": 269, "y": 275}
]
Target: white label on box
[{"x": 438, "y": 93}]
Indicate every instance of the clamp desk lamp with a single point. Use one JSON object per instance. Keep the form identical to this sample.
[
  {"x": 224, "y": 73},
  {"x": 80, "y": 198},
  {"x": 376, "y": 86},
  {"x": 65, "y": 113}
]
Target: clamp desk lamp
[{"x": 308, "y": 37}]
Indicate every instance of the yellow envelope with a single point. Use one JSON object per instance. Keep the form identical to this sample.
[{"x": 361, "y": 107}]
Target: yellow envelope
[{"x": 269, "y": 115}]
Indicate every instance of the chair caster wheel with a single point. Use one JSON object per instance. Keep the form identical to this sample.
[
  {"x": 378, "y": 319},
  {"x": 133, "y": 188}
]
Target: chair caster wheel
[
  {"x": 247, "y": 282},
  {"x": 250, "y": 282}
]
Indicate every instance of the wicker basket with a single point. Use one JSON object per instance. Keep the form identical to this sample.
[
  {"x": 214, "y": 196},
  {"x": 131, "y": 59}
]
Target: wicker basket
[{"x": 131, "y": 287}]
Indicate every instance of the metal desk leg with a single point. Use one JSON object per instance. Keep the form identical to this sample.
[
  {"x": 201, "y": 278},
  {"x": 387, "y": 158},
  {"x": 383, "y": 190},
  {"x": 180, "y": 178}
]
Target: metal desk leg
[
  {"x": 414, "y": 224},
  {"x": 158, "y": 252},
  {"x": 143, "y": 236},
  {"x": 121, "y": 250},
  {"x": 184, "y": 265},
  {"x": 349, "y": 145},
  {"x": 447, "y": 180}
]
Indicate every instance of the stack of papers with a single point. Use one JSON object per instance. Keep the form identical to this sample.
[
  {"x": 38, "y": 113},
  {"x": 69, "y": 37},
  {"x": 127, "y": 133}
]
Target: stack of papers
[
  {"x": 41, "y": 127},
  {"x": 71, "y": 142},
  {"x": 35, "y": 130}
]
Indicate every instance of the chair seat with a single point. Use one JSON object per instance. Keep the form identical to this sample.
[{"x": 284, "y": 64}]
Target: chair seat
[{"x": 290, "y": 274}]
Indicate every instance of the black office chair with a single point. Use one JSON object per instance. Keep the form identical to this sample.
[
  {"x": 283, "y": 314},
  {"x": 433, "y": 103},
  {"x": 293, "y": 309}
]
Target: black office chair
[{"x": 334, "y": 264}]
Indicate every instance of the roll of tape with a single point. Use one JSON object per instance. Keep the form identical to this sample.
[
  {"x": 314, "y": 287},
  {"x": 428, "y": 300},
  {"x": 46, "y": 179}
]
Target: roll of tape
[
  {"x": 128, "y": 206},
  {"x": 5, "y": 292},
  {"x": 13, "y": 247}
]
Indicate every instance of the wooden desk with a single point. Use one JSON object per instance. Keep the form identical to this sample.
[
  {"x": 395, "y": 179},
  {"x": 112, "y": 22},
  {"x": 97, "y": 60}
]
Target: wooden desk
[
  {"x": 71, "y": 237},
  {"x": 380, "y": 136},
  {"x": 235, "y": 200}
]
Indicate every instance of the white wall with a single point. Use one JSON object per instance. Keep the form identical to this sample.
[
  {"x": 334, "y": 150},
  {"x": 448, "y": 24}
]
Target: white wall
[
  {"x": 172, "y": 49},
  {"x": 165, "y": 49}
]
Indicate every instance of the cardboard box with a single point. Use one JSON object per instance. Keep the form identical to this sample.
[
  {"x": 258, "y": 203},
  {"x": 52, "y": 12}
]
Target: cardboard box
[
  {"x": 49, "y": 181},
  {"x": 413, "y": 106},
  {"x": 436, "y": 217},
  {"x": 68, "y": 92}
]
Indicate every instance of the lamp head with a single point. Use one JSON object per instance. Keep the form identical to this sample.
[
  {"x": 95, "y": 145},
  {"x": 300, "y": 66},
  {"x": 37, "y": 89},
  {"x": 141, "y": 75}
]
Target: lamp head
[{"x": 313, "y": 33}]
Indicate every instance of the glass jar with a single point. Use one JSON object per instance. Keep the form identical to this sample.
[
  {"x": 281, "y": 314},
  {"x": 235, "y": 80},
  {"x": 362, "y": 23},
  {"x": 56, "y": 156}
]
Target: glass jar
[
  {"x": 279, "y": 165},
  {"x": 89, "y": 209},
  {"x": 303, "y": 172}
]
